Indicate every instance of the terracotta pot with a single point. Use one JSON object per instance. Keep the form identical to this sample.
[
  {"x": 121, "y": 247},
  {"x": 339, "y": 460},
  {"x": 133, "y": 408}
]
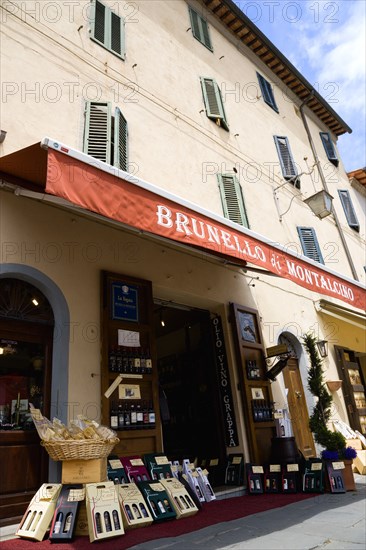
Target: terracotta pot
[{"x": 349, "y": 480}]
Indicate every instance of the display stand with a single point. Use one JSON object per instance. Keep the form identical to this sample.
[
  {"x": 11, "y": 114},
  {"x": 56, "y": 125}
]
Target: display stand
[{"x": 129, "y": 359}]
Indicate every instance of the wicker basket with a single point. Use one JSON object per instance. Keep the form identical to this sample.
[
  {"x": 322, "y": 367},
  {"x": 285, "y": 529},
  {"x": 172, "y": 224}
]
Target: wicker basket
[{"x": 85, "y": 449}]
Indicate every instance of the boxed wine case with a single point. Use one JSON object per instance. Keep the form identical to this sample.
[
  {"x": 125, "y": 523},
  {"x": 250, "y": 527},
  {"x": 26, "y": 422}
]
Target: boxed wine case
[
  {"x": 103, "y": 511},
  {"x": 39, "y": 513},
  {"x": 205, "y": 485},
  {"x": 157, "y": 500},
  {"x": 135, "y": 469},
  {"x": 180, "y": 498},
  {"x": 84, "y": 471},
  {"x": 135, "y": 512},
  {"x": 64, "y": 518},
  {"x": 158, "y": 466},
  {"x": 191, "y": 476},
  {"x": 115, "y": 470}
]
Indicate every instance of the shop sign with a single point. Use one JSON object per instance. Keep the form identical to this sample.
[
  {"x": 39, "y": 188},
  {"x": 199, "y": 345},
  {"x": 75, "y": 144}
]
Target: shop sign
[
  {"x": 124, "y": 302},
  {"x": 226, "y": 399},
  {"x": 138, "y": 204}
]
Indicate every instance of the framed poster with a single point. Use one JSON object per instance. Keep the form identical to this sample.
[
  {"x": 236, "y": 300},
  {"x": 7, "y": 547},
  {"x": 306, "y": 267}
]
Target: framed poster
[
  {"x": 248, "y": 327},
  {"x": 124, "y": 302},
  {"x": 129, "y": 391}
]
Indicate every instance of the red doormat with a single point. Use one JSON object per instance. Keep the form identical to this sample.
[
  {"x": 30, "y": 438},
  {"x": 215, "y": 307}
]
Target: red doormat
[{"x": 213, "y": 512}]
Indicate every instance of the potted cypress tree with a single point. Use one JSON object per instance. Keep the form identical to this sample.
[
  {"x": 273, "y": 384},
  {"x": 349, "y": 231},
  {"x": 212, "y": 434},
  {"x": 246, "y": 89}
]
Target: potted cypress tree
[{"x": 334, "y": 443}]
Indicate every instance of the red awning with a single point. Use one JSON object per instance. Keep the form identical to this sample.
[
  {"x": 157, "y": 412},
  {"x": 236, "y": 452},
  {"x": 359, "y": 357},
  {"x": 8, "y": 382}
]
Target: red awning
[{"x": 100, "y": 188}]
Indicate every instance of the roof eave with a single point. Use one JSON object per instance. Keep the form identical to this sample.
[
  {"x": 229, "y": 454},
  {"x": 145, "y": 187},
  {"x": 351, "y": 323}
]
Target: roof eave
[{"x": 249, "y": 34}]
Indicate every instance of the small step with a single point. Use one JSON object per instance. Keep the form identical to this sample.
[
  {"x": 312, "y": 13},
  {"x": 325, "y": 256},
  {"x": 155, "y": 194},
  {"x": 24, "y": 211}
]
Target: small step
[{"x": 226, "y": 491}]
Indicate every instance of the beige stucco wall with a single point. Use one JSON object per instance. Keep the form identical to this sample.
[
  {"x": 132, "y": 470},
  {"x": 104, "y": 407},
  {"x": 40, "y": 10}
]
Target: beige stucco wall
[{"x": 158, "y": 90}]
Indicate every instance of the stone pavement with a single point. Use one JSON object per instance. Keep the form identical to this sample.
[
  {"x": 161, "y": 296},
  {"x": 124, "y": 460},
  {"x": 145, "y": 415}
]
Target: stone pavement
[{"x": 327, "y": 521}]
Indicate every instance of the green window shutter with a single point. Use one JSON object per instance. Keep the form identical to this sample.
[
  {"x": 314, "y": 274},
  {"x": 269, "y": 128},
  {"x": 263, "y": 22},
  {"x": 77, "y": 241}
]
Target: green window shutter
[
  {"x": 120, "y": 152},
  {"x": 108, "y": 29},
  {"x": 329, "y": 148},
  {"x": 348, "y": 209},
  {"x": 98, "y": 128},
  {"x": 117, "y": 34},
  {"x": 213, "y": 102},
  {"x": 232, "y": 199},
  {"x": 200, "y": 28},
  {"x": 267, "y": 92},
  {"x": 309, "y": 243},
  {"x": 286, "y": 160},
  {"x": 99, "y": 22}
]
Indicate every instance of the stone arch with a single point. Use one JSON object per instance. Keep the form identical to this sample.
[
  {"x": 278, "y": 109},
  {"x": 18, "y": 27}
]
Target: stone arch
[{"x": 60, "y": 354}]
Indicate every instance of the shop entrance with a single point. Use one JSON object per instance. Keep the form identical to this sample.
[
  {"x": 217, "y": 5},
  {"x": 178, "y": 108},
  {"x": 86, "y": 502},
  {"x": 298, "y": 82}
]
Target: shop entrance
[
  {"x": 189, "y": 407},
  {"x": 26, "y": 333}
]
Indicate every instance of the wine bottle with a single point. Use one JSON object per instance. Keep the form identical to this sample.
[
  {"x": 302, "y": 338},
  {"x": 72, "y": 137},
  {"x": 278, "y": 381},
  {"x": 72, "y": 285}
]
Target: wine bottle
[
  {"x": 121, "y": 417},
  {"x": 133, "y": 417},
  {"x": 114, "y": 417}
]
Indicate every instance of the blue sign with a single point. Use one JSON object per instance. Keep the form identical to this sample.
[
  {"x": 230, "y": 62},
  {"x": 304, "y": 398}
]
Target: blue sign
[{"x": 125, "y": 302}]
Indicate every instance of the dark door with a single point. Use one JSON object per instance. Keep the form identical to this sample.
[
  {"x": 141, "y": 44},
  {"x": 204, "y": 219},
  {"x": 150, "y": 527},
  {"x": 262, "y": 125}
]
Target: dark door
[
  {"x": 298, "y": 408},
  {"x": 353, "y": 387},
  {"x": 191, "y": 423},
  {"x": 25, "y": 377}
]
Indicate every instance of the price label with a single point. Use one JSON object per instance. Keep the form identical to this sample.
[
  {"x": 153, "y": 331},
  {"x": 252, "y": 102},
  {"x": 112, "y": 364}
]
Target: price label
[
  {"x": 274, "y": 468},
  {"x": 214, "y": 462},
  {"x": 136, "y": 462},
  {"x": 316, "y": 466},
  {"x": 157, "y": 487},
  {"x": 292, "y": 467},
  {"x": 115, "y": 463},
  {"x": 257, "y": 469},
  {"x": 160, "y": 460},
  {"x": 76, "y": 495},
  {"x": 338, "y": 465},
  {"x": 237, "y": 460}
]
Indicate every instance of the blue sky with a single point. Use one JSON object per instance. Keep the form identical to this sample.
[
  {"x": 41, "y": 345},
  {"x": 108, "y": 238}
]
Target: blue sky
[{"x": 325, "y": 41}]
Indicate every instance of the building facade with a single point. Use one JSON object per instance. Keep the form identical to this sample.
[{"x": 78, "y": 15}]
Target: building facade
[{"x": 181, "y": 148}]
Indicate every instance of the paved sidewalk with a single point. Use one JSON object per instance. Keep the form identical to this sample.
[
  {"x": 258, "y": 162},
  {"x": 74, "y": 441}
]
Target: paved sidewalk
[{"x": 331, "y": 522}]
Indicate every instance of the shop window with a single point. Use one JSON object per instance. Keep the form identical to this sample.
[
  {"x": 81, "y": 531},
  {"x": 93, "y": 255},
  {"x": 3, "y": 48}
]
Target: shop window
[
  {"x": 309, "y": 243},
  {"x": 106, "y": 134},
  {"x": 199, "y": 27},
  {"x": 329, "y": 148},
  {"x": 232, "y": 199},
  {"x": 108, "y": 29},
  {"x": 288, "y": 166},
  {"x": 213, "y": 102},
  {"x": 267, "y": 92},
  {"x": 348, "y": 209}
]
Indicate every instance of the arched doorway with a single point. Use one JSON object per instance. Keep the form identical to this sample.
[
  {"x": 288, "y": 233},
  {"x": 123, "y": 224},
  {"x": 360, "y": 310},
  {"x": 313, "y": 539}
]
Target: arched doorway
[
  {"x": 296, "y": 398},
  {"x": 26, "y": 342}
]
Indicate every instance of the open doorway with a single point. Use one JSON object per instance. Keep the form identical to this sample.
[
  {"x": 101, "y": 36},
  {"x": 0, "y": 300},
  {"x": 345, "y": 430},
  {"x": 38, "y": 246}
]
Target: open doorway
[{"x": 188, "y": 388}]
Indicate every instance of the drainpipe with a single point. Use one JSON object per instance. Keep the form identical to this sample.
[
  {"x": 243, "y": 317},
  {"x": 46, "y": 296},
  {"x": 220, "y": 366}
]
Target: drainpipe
[{"x": 325, "y": 186}]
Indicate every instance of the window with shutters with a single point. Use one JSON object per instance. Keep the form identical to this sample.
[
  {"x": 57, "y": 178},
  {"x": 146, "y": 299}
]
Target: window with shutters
[
  {"x": 232, "y": 199},
  {"x": 200, "y": 28},
  {"x": 106, "y": 134},
  {"x": 267, "y": 92},
  {"x": 213, "y": 102},
  {"x": 288, "y": 166},
  {"x": 348, "y": 209},
  {"x": 329, "y": 148},
  {"x": 108, "y": 29},
  {"x": 309, "y": 243}
]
